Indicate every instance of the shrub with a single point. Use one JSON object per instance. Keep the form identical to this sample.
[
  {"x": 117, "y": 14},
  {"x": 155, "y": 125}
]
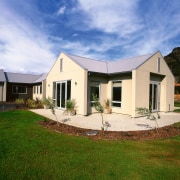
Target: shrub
[
  {"x": 19, "y": 101},
  {"x": 34, "y": 103}
]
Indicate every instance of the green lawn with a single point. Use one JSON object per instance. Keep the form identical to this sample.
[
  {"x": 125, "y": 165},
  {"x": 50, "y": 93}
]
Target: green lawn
[
  {"x": 177, "y": 103},
  {"x": 30, "y": 151}
]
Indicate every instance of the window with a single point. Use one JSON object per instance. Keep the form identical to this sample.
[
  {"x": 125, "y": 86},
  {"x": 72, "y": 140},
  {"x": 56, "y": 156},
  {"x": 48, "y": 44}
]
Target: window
[
  {"x": 116, "y": 93},
  {"x": 158, "y": 64},
  {"x": 61, "y": 65},
  {"x": 34, "y": 89},
  {"x": 37, "y": 87},
  {"x": 19, "y": 90},
  {"x": 40, "y": 89},
  {"x": 94, "y": 90},
  {"x": 54, "y": 90}
]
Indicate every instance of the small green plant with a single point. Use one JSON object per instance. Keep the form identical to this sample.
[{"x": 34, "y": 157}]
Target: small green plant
[
  {"x": 177, "y": 103},
  {"x": 31, "y": 103},
  {"x": 107, "y": 107},
  {"x": 70, "y": 107},
  {"x": 148, "y": 113},
  {"x": 19, "y": 101},
  {"x": 51, "y": 105},
  {"x": 97, "y": 105},
  {"x": 71, "y": 104}
]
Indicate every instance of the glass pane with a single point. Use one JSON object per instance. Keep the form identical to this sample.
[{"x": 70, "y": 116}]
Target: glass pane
[
  {"x": 116, "y": 94},
  {"x": 94, "y": 90},
  {"x": 116, "y": 104},
  {"x": 155, "y": 97},
  {"x": 150, "y": 97},
  {"x": 68, "y": 89},
  {"x": 58, "y": 95},
  {"x": 54, "y": 90},
  {"x": 63, "y": 94}
]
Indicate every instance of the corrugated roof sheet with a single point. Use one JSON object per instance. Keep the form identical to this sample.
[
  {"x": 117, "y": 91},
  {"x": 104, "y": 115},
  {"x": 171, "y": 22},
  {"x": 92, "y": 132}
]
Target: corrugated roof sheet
[
  {"x": 127, "y": 65},
  {"x": 2, "y": 76},
  {"x": 90, "y": 64},
  {"x": 41, "y": 78},
  {"x": 21, "y": 78},
  {"x": 110, "y": 67}
]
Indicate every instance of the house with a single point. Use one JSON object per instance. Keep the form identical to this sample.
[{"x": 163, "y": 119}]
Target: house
[
  {"x": 144, "y": 81},
  {"x": 21, "y": 86}
]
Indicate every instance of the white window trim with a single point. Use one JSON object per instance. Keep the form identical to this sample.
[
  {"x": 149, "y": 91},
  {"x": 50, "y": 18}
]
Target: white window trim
[
  {"x": 91, "y": 102},
  {"x": 17, "y": 90},
  {"x": 119, "y": 102}
]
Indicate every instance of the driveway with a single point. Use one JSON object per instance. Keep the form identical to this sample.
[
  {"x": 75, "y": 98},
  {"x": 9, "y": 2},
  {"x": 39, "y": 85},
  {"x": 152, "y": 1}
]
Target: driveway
[
  {"x": 116, "y": 122},
  {"x": 9, "y": 106}
]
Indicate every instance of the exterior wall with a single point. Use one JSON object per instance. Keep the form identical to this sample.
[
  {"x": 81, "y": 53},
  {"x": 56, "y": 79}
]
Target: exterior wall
[
  {"x": 36, "y": 93},
  {"x": 106, "y": 92},
  {"x": 140, "y": 90},
  {"x": 126, "y": 93},
  {"x": 10, "y": 97},
  {"x": 141, "y": 81},
  {"x": 1, "y": 91},
  {"x": 103, "y": 80},
  {"x": 77, "y": 75}
]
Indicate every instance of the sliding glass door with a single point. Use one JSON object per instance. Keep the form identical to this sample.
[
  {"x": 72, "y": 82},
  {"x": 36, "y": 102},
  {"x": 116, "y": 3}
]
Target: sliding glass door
[
  {"x": 62, "y": 93},
  {"x": 154, "y": 96}
]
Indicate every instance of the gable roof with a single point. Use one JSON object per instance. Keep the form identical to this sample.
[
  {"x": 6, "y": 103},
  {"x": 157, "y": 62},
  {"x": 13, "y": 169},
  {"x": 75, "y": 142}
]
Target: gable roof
[
  {"x": 2, "y": 76},
  {"x": 109, "y": 67},
  {"x": 41, "y": 78},
  {"x": 89, "y": 64},
  {"x": 127, "y": 65},
  {"x": 20, "y": 78}
]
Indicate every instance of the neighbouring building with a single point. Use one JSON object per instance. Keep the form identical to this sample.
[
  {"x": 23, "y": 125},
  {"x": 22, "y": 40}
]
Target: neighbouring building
[{"x": 21, "y": 86}]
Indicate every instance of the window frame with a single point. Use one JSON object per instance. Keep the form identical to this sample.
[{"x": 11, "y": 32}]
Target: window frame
[
  {"x": 40, "y": 89},
  {"x": 99, "y": 89},
  {"x": 17, "y": 87},
  {"x": 61, "y": 65},
  {"x": 158, "y": 64},
  {"x": 115, "y": 101}
]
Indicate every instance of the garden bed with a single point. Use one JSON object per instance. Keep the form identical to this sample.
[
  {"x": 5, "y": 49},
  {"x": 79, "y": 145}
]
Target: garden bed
[{"x": 164, "y": 132}]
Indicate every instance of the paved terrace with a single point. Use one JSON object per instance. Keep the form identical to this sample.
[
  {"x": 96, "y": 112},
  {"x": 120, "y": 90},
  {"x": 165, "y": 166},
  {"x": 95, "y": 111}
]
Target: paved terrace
[{"x": 117, "y": 122}]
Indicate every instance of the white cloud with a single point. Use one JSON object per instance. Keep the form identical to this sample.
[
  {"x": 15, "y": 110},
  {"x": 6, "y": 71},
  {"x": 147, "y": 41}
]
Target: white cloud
[
  {"x": 61, "y": 10},
  {"x": 23, "y": 46},
  {"x": 112, "y": 16}
]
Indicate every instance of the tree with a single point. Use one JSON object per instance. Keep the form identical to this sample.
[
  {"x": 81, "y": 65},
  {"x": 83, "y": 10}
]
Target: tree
[
  {"x": 51, "y": 105},
  {"x": 97, "y": 105}
]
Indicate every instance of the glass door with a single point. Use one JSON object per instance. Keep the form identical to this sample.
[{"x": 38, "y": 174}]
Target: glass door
[
  {"x": 154, "y": 96},
  {"x": 63, "y": 92}
]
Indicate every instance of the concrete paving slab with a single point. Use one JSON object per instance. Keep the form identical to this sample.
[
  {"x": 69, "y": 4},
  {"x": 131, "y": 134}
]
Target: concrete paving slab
[{"x": 116, "y": 122}]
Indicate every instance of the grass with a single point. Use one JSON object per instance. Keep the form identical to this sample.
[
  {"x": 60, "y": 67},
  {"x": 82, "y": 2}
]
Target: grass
[
  {"x": 177, "y": 103},
  {"x": 30, "y": 151},
  {"x": 177, "y": 110}
]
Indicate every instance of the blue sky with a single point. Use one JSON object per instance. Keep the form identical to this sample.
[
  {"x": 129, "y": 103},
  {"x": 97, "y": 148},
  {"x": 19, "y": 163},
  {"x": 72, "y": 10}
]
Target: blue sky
[{"x": 34, "y": 32}]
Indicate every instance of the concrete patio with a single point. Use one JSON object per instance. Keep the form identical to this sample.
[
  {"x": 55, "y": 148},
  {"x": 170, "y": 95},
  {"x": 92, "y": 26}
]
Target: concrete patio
[{"x": 115, "y": 122}]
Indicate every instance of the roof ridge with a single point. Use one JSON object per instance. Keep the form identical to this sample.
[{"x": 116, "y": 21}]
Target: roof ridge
[
  {"x": 84, "y": 57},
  {"x": 125, "y": 59},
  {"x": 24, "y": 73}
]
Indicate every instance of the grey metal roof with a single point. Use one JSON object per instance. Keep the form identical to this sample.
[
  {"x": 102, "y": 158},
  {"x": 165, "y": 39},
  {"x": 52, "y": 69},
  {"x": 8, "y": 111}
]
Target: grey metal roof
[
  {"x": 127, "y": 65},
  {"x": 41, "y": 78},
  {"x": 90, "y": 64},
  {"x": 2, "y": 76},
  {"x": 110, "y": 67},
  {"x": 21, "y": 78}
]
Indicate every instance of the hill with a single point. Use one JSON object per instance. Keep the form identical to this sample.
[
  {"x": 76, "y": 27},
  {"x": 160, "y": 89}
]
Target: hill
[{"x": 173, "y": 61}]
